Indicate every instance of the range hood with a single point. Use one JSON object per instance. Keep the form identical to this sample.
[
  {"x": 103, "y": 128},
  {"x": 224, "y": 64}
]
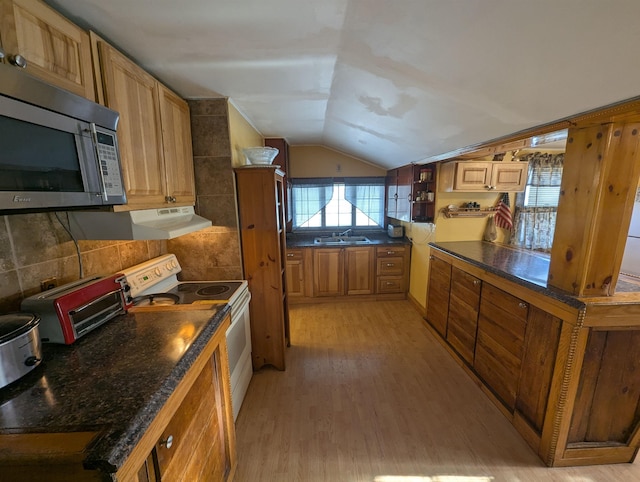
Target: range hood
[{"x": 163, "y": 223}]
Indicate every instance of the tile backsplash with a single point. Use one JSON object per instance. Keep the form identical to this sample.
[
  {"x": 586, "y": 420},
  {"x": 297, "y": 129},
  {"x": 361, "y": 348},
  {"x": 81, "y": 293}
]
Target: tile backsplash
[{"x": 34, "y": 247}]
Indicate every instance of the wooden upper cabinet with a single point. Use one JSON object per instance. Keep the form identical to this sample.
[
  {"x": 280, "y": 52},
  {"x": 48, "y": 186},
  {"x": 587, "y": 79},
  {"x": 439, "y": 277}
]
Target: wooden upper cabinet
[
  {"x": 483, "y": 176},
  {"x": 54, "y": 49},
  {"x": 134, "y": 94},
  {"x": 178, "y": 152},
  {"x": 154, "y": 132}
]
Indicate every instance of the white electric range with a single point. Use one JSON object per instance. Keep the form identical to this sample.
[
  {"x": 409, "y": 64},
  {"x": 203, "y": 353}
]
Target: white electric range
[{"x": 155, "y": 283}]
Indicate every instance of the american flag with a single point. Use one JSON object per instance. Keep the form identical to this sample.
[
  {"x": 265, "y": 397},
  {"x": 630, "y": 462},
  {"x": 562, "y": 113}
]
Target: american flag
[{"x": 503, "y": 213}]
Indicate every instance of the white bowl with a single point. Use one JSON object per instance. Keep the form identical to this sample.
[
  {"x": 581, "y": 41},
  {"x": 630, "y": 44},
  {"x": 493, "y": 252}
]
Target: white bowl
[{"x": 260, "y": 155}]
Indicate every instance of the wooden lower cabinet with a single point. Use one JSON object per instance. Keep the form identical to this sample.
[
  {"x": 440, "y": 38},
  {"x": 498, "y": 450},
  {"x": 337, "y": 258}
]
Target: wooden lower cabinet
[
  {"x": 464, "y": 305},
  {"x": 360, "y": 270},
  {"x": 392, "y": 269},
  {"x": 566, "y": 376},
  {"x": 353, "y": 271},
  {"x": 438, "y": 294},
  {"x": 295, "y": 273},
  {"x": 328, "y": 272},
  {"x": 501, "y": 330}
]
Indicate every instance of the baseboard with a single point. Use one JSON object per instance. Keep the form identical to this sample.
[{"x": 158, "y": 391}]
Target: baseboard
[{"x": 419, "y": 308}]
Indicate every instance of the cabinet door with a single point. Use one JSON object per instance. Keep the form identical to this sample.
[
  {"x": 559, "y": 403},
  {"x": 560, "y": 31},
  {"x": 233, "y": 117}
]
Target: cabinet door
[
  {"x": 509, "y": 176},
  {"x": 134, "y": 93},
  {"x": 464, "y": 303},
  {"x": 328, "y": 272},
  {"x": 405, "y": 188},
  {"x": 540, "y": 349},
  {"x": 295, "y": 273},
  {"x": 177, "y": 148},
  {"x": 472, "y": 176},
  {"x": 391, "y": 188},
  {"x": 501, "y": 331},
  {"x": 193, "y": 446},
  {"x": 438, "y": 294},
  {"x": 360, "y": 270},
  {"x": 55, "y": 49}
]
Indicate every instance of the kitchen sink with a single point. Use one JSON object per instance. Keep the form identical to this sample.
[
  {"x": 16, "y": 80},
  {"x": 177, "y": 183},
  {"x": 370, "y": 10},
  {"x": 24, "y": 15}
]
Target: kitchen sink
[{"x": 341, "y": 240}]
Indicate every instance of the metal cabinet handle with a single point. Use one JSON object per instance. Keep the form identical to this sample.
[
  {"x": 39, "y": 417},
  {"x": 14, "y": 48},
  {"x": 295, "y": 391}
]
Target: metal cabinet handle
[
  {"x": 522, "y": 305},
  {"x": 476, "y": 282},
  {"x": 290, "y": 255},
  {"x": 18, "y": 60},
  {"x": 170, "y": 199},
  {"x": 389, "y": 283},
  {"x": 390, "y": 265},
  {"x": 391, "y": 252},
  {"x": 168, "y": 442},
  {"x": 432, "y": 257}
]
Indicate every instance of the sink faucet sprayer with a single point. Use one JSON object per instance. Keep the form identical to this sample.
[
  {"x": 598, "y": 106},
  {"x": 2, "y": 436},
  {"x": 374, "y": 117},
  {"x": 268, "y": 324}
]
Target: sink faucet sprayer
[{"x": 345, "y": 233}]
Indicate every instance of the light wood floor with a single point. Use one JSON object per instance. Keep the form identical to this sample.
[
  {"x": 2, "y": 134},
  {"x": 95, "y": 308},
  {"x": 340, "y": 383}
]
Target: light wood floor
[{"x": 369, "y": 395}]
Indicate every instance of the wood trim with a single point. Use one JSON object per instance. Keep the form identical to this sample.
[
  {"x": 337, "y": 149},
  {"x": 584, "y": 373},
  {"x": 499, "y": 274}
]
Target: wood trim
[
  {"x": 597, "y": 455},
  {"x": 564, "y": 386},
  {"x": 529, "y": 434},
  {"x": 418, "y": 307},
  {"x": 625, "y": 110}
]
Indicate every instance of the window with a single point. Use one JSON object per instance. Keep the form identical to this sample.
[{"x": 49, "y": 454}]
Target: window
[
  {"x": 327, "y": 203},
  {"x": 535, "y": 208}
]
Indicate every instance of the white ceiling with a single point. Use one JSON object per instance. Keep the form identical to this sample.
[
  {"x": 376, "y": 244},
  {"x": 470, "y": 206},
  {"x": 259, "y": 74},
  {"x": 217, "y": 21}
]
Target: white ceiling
[{"x": 390, "y": 82}]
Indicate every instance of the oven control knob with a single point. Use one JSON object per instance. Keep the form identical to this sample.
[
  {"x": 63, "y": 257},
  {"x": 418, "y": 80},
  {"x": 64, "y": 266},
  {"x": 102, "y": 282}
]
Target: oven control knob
[
  {"x": 174, "y": 264},
  {"x": 157, "y": 272}
]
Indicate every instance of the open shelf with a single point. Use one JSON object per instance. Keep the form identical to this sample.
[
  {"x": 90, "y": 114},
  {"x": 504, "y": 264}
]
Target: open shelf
[{"x": 467, "y": 212}]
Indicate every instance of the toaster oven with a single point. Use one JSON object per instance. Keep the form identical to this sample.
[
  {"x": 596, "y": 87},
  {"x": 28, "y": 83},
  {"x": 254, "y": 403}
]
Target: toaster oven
[
  {"x": 394, "y": 231},
  {"x": 71, "y": 311}
]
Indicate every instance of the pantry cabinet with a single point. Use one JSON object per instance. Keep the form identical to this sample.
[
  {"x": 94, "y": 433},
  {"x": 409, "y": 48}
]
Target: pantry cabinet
[
  {"x": 47, "y": 45},
  {"x": 483, "y": 176},
  {"x": 260, "y": 194},
  {"x": 154, "y": 132}
]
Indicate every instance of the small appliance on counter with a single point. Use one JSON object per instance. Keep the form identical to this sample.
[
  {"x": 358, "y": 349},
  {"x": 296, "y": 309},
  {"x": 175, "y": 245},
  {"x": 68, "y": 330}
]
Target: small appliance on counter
[
  {"x": 70, "y": 311},
  {"x": 20, "y": 348},
  {"x": 395, "y": 231}
]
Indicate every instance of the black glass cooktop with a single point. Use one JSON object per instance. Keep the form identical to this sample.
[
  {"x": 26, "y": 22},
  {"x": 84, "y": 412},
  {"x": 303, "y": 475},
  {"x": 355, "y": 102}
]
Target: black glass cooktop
[{"x": 190, "y": 292}]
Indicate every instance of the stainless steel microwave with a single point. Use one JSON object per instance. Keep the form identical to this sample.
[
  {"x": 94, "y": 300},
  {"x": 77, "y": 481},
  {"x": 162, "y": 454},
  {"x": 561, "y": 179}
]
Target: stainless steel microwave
[{"x": 57, "y": 149}]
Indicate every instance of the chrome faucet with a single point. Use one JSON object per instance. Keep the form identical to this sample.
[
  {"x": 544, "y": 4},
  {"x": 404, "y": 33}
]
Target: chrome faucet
[{"x": 345, "y": 233}]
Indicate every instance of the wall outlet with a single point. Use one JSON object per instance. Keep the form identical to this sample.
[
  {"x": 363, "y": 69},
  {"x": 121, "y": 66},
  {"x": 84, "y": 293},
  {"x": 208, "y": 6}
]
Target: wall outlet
[{"x": 48, "y": 283}]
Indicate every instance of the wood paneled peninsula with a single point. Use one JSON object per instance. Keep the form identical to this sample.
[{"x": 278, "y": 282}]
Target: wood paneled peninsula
[
  {"x": 143, "y": 397},
  {"x": 563, "y": 368}
]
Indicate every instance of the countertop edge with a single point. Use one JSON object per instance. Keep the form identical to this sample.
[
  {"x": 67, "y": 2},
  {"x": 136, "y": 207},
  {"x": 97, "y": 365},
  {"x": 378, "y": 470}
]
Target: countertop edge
[
  {"x": 556, "y": 295},
  {"x": 109, "y": 452}
]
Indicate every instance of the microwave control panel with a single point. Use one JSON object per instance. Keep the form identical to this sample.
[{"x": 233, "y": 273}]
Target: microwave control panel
[{"x": 109, "y": 163}]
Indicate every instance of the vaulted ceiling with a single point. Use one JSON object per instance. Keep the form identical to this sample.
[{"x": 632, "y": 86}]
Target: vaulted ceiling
[{"x": 390, "y": 82}]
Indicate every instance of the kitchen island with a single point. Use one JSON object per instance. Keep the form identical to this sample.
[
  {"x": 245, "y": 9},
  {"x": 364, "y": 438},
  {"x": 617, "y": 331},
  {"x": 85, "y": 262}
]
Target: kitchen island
[
  {"x": 136, "y": 399},
  {"x": 562, "y": 368}
]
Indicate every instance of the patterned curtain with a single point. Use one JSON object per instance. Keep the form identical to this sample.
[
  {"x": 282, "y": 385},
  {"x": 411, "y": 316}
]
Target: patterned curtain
[{"x": 536, "y": 207}]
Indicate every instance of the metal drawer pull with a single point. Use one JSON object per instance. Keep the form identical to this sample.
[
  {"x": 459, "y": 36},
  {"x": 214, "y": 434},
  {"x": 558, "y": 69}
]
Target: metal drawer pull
[
  {"x": 522, "y": 305},
  {"x": 168, "y": 442},
  {"x": 432, "y": 257},
  {"x": 389, "y": 283},
  {"x": 290, "y": 255},
  {"x": 476, "y": 282},
  {"x": 391, "y": 252},
  {"x": 390, "y": 265}
]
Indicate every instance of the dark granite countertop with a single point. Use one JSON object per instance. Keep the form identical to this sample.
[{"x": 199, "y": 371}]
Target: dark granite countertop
[
  {"x": 526, "y": 268},
  {"x": 113, "y": 381},
  {"x": 378, "y": 238}
]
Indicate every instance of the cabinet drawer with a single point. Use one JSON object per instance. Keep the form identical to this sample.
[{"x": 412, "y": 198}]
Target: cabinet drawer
[
  {"x": 390, "y": 284},
  {"x": 390, "y": 251},
  {"x": 390, "y": 266},
  {"x": 294, "y": 255}
]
